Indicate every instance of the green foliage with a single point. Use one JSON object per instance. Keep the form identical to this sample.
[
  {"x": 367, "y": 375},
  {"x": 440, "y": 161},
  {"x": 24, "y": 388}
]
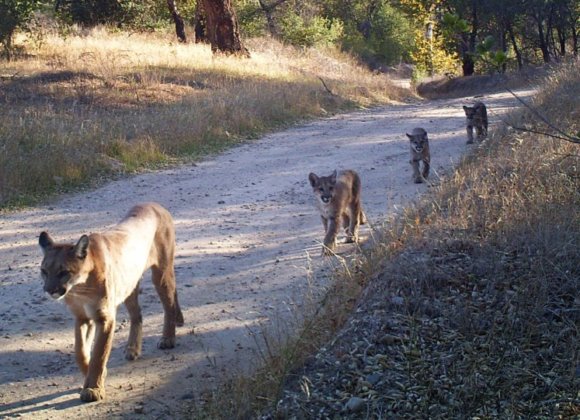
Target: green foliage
[
  {"x": 387, "y": 37},
  {"x": 485, "y": 46},
  {"x": 318, "y": 30},
  {"x": 452, "y": 25},
  {"x": 140, "y": 15},
  {"x": 250, "y": 18},
  {"x": 15, "y": 14},
  {"x": 489, "y": 59}
]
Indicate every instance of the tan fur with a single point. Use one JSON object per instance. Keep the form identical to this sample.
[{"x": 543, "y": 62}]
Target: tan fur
[
  {"x": 338, "y": 198},
  {"x": 420, "y": 152},
  {"x": 476, "y": 118},
  {"x": 103, "y": 270}
]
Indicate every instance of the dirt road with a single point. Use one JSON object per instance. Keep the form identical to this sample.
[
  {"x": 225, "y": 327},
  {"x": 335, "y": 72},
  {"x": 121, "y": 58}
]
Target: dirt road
[{"x": 248, "y": 249}]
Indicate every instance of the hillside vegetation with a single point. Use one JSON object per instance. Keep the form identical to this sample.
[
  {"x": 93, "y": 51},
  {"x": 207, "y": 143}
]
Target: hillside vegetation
[
  {"x": 88, "y": 106},
  {"x": 466, "y": 306},
  {"x": 472, "y": 306}
]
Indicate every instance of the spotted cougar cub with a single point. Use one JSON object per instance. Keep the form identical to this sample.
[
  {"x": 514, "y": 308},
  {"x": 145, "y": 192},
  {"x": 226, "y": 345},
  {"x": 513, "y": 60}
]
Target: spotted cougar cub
[
  {"x": 476, "y": 118},
  {"x": 338, "y": 198},
  {"x": 419, "y": 152}
]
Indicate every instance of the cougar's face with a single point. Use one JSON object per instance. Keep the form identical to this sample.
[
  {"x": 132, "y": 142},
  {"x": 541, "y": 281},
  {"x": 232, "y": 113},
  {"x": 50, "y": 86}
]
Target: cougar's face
[
  {"x": 323, "y": 187},
  {"x": 326, "y": 192},
  {"x": 469, "y": 112},
  {"x": 418, "y": 142},
  {"x": 62, "y": 265}
]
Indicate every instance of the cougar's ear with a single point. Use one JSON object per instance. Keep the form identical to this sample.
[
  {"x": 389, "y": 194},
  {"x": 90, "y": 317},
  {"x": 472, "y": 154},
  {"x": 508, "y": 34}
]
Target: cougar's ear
[
  {"x": 333, "y": 177},
  {"x": 81, "y": 247},
  {"x": 410, "y": 136},
  {"x": 313, "y": 178},
  {"x": 465, "y": 108},
  {"x": 45, "y": 241}
]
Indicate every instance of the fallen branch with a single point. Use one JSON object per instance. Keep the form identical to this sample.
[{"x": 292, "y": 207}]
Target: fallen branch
[
  {"x": 566, "y": 136},
  {"x": 326, "y": 87}
]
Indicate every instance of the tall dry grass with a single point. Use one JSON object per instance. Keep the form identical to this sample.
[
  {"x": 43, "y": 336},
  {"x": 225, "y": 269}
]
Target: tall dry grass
[
  {"x": 84, "y": 106},
  {"x": 488, "y": 269}
]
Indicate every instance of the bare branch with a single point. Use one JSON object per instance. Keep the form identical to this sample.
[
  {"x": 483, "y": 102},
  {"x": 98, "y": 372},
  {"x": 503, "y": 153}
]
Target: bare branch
[
  {"x": 527, "y": 130},
  {"x": 326, "y": 87},
  {"x": 566, "y": 136}
]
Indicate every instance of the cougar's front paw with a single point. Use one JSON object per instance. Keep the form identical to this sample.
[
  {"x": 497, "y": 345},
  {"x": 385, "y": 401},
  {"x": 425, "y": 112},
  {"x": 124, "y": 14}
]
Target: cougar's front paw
[
  {"x": 328, "y": 250},
  {"x": 352, "y": 239},
  {"x": 92, "y": 394},
  {"x": 132, "y": 353},
  {"x": 166, "y": 343}
]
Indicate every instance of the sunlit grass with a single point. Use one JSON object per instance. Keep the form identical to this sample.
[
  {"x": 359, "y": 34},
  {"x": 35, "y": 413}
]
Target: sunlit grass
[{"x": 82, "y": 106}]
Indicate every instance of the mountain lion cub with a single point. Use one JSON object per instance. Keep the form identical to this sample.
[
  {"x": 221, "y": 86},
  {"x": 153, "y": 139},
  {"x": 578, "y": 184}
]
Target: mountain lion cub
[
  {"x": 103, "y": 270},
  {"x": 338, "y": 198},
  {"x": 419, "y": 152},
  {"x": 476, "y": 118}
]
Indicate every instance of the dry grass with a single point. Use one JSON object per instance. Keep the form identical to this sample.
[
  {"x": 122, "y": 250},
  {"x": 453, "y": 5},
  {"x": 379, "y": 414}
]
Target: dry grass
[
  {"x": 88, "y": 105},
  {"x": 439, "y": 87},
  {"x": 474, "y": 310},
  {"x": 489, "y": 276},
  {"x": 471, "y": 308}
]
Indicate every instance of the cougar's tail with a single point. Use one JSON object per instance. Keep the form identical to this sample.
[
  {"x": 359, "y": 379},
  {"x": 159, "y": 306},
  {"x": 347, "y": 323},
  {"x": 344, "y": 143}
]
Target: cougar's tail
[
  {"x": 356, "y": 192},
  {"x": 362, "y": 219}
]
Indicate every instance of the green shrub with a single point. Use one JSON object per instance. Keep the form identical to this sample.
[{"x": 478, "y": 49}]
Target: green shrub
[
  {"x": 139, "y": 15},
  {"x": 318, "y": 30},
  {"x": 251, "y": 18},
  {"x": 387, "y": 40},
  {"x": 15, "y": 14}
]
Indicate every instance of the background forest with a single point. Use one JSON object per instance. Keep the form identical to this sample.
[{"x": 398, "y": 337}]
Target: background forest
[{"x": 438, "y": 36}]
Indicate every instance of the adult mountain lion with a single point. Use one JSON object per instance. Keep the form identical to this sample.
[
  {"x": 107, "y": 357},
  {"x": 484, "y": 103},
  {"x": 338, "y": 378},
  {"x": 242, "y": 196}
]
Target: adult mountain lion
[
  {"x": 101, "y": 271},
  {"x": 338, "y": 198}
]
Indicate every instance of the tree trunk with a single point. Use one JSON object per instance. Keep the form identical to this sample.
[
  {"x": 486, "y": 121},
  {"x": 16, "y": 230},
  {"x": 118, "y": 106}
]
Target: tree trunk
[
  {"x": 222, "y": 27},
  {"x": 516, "y": 49},
  {"x": 199, "y": 23},
  {"x": 179, "y": 26},
  {"x": 468, "y": 65},
  {"x": 543, "y": 42},
  {"x": 561, "y": 40},
  {"x": 268, "y": 10},
  {"x": 575, "y": 41}
]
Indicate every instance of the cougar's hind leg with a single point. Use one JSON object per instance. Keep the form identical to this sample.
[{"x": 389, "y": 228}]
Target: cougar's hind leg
[
  {"x": 133, "y": 349},
  {"x": 179, "y": 321},
  {"x": 164, "y": 281}
]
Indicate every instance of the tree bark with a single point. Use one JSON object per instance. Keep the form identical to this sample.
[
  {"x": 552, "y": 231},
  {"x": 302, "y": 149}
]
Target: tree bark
[
  {"x": 575, "y": 41},
  {"x": 179, "y": 26},
  {"x": 516, "y": 48},
  {"x": 467, "y": 62},
  {"x": 268, "y": 10},
  {"x": 543, "y": 42},
  {"x": 199, "y": 23},
  {"x": 222, "y": 27}
]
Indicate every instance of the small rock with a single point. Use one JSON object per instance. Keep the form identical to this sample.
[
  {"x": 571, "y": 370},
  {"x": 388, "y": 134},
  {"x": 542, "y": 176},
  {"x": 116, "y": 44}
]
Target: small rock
[
  {"x": 188, "y": 396},
  {"x": 373, "y": 378},
  {"x": 389, "y": 339},
  {"x": 355, "y": 404},
  {"x": 397, "y": 300}
]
